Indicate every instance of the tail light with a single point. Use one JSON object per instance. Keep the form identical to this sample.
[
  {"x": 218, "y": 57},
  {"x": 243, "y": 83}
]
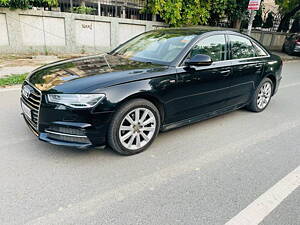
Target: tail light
[{"x": 298, "y": 41}]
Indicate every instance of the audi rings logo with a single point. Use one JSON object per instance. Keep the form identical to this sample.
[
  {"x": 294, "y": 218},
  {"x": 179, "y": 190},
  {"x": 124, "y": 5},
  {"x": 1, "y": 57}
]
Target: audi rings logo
[{"x": 26, "y": 91}]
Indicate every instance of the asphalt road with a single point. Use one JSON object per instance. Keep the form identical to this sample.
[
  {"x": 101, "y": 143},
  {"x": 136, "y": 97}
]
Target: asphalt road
[{"x": 205, "y": 173}]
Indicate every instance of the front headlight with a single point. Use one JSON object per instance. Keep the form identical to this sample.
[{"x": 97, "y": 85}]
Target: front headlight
[{"x": 76, "y": 100}]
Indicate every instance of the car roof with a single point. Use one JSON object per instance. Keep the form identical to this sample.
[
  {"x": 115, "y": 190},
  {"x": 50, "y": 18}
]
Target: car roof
[
  {"x": 202, "y": 32},
  {"x": 194, "y": 30}
]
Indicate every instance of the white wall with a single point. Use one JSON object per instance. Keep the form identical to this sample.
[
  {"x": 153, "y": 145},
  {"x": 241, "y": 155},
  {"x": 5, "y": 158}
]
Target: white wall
[
  {"x": 3, "y": 30},
  {"x": 92, "y": 33},
  {"x": 55, "y": 33},
  {"x": 127, "y": 31},
  {"x": 39, "y": 31}
]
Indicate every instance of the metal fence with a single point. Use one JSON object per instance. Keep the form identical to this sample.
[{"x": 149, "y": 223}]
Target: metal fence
[{"x": 129, "y": 9}]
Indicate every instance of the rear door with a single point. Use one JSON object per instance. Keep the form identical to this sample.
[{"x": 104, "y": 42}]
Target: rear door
[{"x": 247, "y": 67}]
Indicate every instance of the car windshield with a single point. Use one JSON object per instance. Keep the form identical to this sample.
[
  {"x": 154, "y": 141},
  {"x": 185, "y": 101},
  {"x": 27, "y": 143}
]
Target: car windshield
[{"x": 154, "y": 47}]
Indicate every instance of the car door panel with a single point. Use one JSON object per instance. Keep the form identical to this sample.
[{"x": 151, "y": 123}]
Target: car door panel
[
  {"x": 204, "y": 89},
  {"x": 246, "y": 67},
  {"x": 201, "y": 90},
  {"x": 244, "y": 78}
]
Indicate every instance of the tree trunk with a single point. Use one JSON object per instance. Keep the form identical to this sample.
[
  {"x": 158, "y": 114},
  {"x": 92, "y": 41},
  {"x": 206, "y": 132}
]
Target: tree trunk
[
  {"x": 237, "y": 24},
  {"x": 286, "y": 19}
]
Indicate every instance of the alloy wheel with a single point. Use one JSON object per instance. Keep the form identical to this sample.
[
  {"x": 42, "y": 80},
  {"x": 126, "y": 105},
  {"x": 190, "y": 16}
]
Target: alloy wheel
[
  {"x": 137, "y": 128},
  {"x": 264, "y": 95}
]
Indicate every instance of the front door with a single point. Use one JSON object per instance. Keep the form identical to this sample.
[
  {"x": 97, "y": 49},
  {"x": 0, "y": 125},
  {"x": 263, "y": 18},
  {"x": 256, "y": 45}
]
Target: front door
[{"x": 203, "y": 89}]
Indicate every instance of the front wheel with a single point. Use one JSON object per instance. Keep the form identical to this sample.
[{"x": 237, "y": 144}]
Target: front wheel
[
  {"x": 262, "y": 96},
  {"x": 134, "y": 127}
]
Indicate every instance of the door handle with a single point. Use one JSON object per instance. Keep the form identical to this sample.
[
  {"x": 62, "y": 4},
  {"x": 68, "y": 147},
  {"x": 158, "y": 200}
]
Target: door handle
[
  {"x": 258, "y": 66},
  {"x": 225, "y": 72}
]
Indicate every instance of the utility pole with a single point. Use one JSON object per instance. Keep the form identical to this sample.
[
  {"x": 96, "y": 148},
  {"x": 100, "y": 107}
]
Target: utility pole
[
  {"x": 252, "y": 7},
  {"x": 71, "y": 6},
  {"x": 252, "y": 16}
]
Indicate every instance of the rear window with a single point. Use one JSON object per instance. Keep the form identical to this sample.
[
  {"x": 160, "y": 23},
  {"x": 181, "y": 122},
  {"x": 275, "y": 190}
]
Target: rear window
[
  {"x": 241, "y": 47},
  {"x": 259, "y": 51}
]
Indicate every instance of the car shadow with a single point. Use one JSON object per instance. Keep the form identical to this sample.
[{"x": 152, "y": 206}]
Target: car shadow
[{"x": 75, "y": 152}]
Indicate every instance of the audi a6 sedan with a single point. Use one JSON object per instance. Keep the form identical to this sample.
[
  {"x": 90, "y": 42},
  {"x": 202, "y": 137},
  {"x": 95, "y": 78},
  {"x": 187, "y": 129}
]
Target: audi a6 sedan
[{"x": 157, "y": 81}]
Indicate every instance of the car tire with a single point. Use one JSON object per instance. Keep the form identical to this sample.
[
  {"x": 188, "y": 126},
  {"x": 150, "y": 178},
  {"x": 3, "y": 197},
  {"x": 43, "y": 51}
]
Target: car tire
[
  {"x": 128, "y": 135},
  {"x": 262, "y": 96}
]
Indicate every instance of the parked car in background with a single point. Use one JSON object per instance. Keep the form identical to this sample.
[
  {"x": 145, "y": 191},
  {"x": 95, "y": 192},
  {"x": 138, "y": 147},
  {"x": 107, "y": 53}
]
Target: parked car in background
[
  {"x": 292, "y": 44},
  {"x": 157, "y": 81}
]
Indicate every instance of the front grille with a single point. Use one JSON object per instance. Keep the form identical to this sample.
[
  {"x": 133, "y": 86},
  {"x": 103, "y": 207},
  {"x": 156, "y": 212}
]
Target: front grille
[
  {"x": 67, "y": 130},
  {"x": 67, "y": 135},
  {"x": 33, "y": 101},
  {"x": 79, "y": 139}
]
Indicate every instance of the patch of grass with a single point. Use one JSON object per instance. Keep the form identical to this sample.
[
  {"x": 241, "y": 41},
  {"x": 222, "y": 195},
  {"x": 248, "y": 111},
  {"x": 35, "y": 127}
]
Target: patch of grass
[{"x": 12, "y": 79}]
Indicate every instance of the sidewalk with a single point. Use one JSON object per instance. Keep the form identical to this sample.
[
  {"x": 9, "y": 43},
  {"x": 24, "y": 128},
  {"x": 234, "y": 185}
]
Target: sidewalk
[
  {"x": 286, "y": 57},
  {"x": 13, "y": 65},
  {"x": 24, "y": 64}
]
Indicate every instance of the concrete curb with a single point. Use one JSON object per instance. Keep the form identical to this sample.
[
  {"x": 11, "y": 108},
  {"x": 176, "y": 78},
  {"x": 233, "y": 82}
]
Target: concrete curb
[{"x": 10, "y": 88}]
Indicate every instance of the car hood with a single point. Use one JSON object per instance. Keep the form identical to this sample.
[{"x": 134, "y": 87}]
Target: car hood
[{"x": 76, "y": 75}]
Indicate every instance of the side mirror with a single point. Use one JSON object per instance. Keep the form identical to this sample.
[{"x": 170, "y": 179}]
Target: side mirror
[{"x": 199, "y": 60}]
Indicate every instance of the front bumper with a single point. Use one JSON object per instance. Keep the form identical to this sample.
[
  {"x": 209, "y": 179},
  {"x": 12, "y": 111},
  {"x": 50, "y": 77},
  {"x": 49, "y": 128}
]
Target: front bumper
[
  {"x": 45, "y": 137},
  {"x": 68, "y": 127}
]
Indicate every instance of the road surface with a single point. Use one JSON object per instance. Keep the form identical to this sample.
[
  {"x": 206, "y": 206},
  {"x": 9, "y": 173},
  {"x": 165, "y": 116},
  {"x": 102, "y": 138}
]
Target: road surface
[{"x": 240, "y": 168}]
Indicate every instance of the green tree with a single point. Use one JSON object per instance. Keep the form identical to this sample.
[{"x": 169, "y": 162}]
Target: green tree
[
  {"x": 236, "y": 12},
  {"x": 4, "y": 3},
  {"x": 217, "y": 11},
  {"x": 18, "y": 4},
  {"x": 269, "y": 21},
  {"x": 84, "y": 10},
  {"x": 258, "y": 21},
  {"x": 190, "y": 12},
  {"x": 296, "y": 24},
  {"x": 180, "y": 12},
  {"x": 25, "y": 4},
  {"x": 288, "y": 9}
]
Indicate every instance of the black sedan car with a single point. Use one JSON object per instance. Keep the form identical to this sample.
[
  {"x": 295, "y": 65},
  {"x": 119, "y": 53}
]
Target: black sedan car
[
  {"x": 292, "y": 44},
  {"x": 157, "y": 81}
]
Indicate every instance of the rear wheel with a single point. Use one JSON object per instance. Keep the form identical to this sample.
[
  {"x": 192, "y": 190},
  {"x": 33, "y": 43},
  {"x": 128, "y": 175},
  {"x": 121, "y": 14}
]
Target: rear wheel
[
  {"x": 262, "y": 96},
  {"x": 134, "y": 127}
]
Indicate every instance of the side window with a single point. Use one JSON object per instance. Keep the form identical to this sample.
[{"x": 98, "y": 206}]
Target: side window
[
  {"x": 214, "y": 46},
  {"x": 241, "y": 47},
  {"x": 259, "y": 51}
]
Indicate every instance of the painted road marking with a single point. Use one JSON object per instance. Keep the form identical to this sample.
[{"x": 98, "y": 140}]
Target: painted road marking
[{"x": 254, "y": 213}]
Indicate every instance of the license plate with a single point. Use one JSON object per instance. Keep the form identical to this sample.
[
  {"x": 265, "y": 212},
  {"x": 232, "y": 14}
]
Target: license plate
[{"x": 26, "y": 110}]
